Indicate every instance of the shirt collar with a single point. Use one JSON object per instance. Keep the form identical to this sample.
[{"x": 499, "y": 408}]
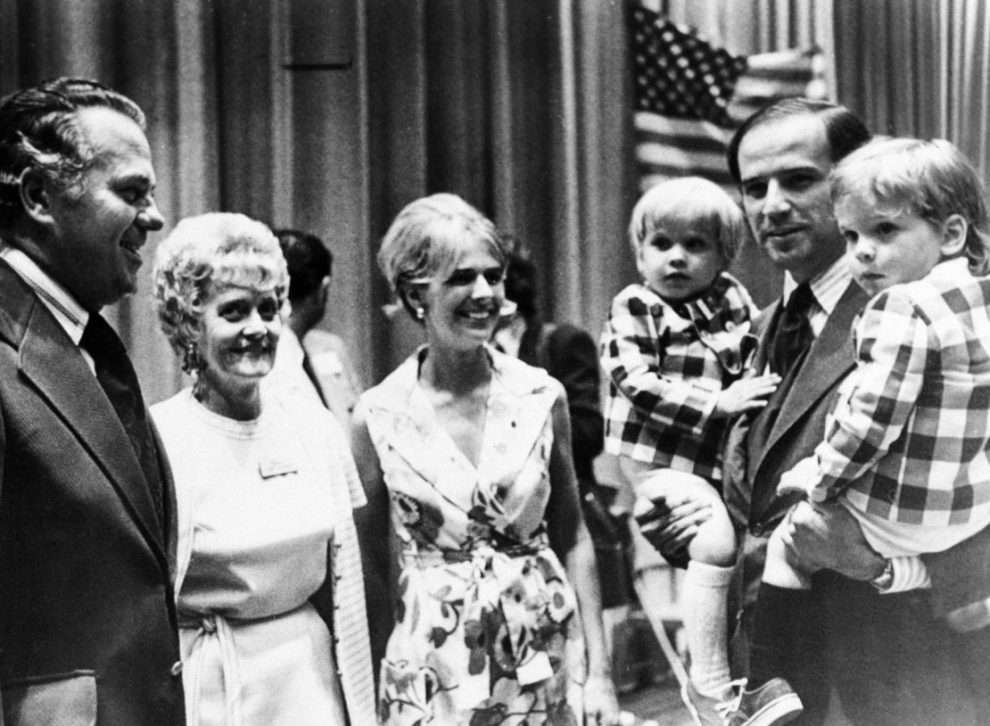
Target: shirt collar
[
  {"x": 950, "y": 270},
  {"x": 827, "y": 287},
  {"x": 69, "y": 313}
]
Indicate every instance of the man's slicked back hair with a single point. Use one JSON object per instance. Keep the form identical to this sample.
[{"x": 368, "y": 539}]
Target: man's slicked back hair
[{"x": 38, "y": 128}]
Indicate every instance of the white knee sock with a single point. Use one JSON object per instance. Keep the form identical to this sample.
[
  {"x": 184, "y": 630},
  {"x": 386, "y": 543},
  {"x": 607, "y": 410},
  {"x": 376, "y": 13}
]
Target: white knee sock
[{"x": 704, "y": 610}]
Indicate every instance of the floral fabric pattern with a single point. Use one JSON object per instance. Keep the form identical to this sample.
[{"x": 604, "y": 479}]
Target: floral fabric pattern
[{"x": 487, "y": 629}]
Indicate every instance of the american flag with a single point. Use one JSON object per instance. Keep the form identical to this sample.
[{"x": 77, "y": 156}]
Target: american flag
[{"x": 690, "y": 96}]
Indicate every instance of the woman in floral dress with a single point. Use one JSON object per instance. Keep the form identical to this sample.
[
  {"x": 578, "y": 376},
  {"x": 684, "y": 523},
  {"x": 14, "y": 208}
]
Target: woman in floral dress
[{"x": 467, "y": 452}]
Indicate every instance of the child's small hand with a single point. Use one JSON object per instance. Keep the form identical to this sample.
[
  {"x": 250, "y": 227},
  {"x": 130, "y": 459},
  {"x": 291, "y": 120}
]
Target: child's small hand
[{"x": 746, "y": 394}]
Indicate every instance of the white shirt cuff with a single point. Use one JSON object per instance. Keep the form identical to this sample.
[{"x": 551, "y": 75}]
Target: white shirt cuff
[{"x": 910, "y": 573}]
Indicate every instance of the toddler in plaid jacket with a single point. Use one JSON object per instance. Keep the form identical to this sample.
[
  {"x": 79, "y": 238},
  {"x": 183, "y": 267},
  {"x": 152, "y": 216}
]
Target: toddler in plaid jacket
[
  {"x": 674, "y": 349},
  {"x": 907, "y": 447}
]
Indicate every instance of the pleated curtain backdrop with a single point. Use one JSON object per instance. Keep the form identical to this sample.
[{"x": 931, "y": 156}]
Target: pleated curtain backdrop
[
  {"x": 330, "y": 115},
  {"x": 521, "y": 109},
  {"x": 918, "y": 68}
]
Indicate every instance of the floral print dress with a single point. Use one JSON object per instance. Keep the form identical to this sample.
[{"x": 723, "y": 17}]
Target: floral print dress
[{"x": 487, "y": 627}]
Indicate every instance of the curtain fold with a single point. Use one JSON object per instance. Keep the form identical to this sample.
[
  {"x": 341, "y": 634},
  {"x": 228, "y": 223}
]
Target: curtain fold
[
  {"x": 522, "y": 108},
  {"x": 918, "y": 68}
]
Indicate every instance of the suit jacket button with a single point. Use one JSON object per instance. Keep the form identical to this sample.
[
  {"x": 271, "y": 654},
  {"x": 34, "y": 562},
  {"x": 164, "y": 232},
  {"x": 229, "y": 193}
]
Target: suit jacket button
[
  {"x": 176, "y": 669},
  {"x": 758, "y": 530}
]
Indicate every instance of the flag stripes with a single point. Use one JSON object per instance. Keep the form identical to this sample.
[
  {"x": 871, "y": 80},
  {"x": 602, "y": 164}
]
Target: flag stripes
[{"x": 691, "y": 96}]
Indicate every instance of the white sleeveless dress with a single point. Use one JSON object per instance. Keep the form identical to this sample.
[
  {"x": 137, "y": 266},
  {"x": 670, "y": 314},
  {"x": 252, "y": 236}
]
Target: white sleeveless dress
[{"x": 258, "y": 503}]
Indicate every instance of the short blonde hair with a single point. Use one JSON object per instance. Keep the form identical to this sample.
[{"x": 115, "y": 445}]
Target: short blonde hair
[
  {"x": 204, "y": 255},
  {"x": 932, "y": 179},
  {"x": 692, "y": 197},
  {"x": 425, "y": 238}
]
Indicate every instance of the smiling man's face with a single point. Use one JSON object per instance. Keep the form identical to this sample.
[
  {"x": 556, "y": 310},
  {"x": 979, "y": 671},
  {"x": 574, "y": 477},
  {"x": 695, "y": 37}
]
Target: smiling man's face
[
  {"x": 98, "y": 226},
  {"x": 784, "y": 166}
]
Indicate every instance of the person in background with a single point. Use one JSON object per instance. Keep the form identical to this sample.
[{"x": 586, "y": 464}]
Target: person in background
[
  {"x": 311, "y": 362},
  {"x": 87, "y": 516},
  {"x": 467, "y": 451},
  {"x": 674, "y": 349},
  {"x": 262, "y": 488}
]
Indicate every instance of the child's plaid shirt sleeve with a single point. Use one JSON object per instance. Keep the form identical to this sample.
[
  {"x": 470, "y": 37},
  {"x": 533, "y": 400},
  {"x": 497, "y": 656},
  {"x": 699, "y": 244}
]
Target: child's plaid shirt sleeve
[
  {"x": 893, "y": 348},
  {"x": 633, "y": 347}
]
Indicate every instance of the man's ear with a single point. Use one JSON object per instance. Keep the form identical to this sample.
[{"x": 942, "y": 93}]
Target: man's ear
[
  {"x": 324, "y": 290},
  {"x": 954, "y": 231},
  {"x": 35, "y": 196}
]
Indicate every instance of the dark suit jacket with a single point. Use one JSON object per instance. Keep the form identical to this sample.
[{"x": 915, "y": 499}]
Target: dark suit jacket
[
  {"x": 759, "y": 452},
  {"x": 756, "y": 457},
  {"x": 889, "y": 660},
  {"x": 87, "y": 621}
]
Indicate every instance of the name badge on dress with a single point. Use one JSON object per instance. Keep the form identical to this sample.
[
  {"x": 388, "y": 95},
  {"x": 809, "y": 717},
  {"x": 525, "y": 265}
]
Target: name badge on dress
[{"x": 276, "y": 467}]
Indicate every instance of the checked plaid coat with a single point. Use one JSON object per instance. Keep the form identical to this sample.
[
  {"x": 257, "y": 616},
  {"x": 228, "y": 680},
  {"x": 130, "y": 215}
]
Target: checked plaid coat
[
  {"x": 666, "y": 364},
  {"x": 909, "y": 439}
]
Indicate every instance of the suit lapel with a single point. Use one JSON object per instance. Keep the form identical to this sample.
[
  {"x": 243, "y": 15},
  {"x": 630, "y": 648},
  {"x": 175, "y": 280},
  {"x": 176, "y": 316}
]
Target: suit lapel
[
  {"x": 169, "y": 503},
  {"x": 763, "y": 328},
  {"x": 50, "y": 361},
  {"x": 829, "y": 359}
]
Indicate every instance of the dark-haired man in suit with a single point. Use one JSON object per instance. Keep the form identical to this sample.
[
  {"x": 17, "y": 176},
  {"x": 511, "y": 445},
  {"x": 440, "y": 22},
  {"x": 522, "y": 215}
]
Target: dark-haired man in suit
[
  {"x": 87, "y": 515},
  {"x": 875, "y": 642}
]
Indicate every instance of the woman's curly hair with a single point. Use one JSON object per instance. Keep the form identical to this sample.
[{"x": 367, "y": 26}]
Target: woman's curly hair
[{"x": 204, "y": 255}]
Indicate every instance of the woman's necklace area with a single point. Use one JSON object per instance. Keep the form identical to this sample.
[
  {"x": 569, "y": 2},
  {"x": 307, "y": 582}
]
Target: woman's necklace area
[{"x": 463, "y": 396}]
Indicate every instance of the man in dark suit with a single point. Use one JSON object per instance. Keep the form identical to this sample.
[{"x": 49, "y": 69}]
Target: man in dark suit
[
  {"x": 87, "y": 512},
  {"x": 888, "y": 659},
  {"x": 875, "y": 644},
  {"x": 312, "y": 363}
]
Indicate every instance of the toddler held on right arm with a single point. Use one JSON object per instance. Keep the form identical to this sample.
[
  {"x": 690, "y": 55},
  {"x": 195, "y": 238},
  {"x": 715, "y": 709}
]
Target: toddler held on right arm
[{"x": 674, "y": 349}]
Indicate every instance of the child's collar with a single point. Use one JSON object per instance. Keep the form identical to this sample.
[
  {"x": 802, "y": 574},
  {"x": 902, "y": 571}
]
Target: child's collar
[
  {"x": 708, "y": 295},
  {"x": 950, "y": 269}
]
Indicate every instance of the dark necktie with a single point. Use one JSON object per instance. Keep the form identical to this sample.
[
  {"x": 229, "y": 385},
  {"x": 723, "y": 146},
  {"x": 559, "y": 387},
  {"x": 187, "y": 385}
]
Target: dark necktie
[
  {"x": 118, "y": 380},
  {"x": 793, "y": 335}
]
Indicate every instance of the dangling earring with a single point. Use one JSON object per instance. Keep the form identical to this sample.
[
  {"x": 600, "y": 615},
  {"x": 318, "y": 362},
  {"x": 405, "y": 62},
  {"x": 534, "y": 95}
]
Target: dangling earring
[
  {"x": 191, "y": 362},
  {"x": 420, "y": 313}
]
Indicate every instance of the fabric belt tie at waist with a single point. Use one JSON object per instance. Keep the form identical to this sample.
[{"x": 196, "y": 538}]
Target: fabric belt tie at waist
[
  {"x": 213, "y": 627},
  {"x": 424, "y": 559}
]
